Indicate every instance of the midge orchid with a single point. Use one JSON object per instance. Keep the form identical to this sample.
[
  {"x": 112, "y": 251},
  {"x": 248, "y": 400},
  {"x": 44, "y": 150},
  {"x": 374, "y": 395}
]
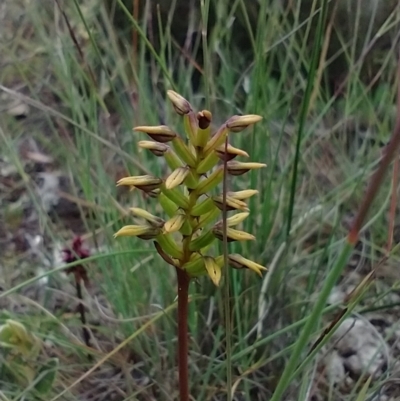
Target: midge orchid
[
  {"x": 185, "y": 194},
  {"x": 185, "y": 237}
]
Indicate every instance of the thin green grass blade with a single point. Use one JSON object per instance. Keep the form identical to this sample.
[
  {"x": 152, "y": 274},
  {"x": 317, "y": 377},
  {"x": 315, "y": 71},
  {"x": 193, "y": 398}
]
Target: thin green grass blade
[
  {"x": 312, "y": 322},
  {"x": 304, "y": 108}
]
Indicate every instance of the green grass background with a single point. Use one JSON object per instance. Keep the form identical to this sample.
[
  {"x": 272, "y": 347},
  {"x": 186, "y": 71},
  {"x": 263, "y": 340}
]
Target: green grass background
[{"x": 320, "y": 150}]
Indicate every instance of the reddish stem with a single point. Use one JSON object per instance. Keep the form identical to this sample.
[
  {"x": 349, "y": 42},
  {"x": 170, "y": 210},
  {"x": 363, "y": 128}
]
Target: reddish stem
[
  {"x": 393, "y": 205},
  {"x": 183, "y": 348},
  {"x": 376, "y": 180}
]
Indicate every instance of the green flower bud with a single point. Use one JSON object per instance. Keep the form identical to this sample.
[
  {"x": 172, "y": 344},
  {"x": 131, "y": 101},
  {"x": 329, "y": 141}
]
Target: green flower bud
[
  {"x": 204, "y": 207},
  {"x": 176, "y": 196},
  {"x": 211, "y": 181},
  {"x": 208, "y": 218},
  {"x": 172, "y": 160},
  {"x": 202, "y": 241},
  {"x": 168, "y": 205},
  {"x": 168, "y": 244},
  {"x": 207, "y": 163},
  {"x": 195, "y": 267},
  {"x": 192, "y": 180},
  {"x": 186, "y": 229}
]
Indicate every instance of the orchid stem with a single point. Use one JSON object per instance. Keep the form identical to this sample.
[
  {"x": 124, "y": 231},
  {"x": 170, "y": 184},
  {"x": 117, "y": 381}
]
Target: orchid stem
[{"x": 183, "y": 295}]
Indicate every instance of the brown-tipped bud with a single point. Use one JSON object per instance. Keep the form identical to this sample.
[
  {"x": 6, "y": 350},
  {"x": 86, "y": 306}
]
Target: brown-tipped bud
[
  {"x": 231, "y": 203},
  {"x": 146, "y": 183},
  {"x": 239, "y": 262},
  {"x": 159, "y": 133},
  {"x": 231, "y": 234},
  {"x": 157, "y": 148},
  {"x": 143, "y": 231},
  {"x": 231, "y": 152},
  {"x": 204, "y": 117},
  {"x": 234, "y": 220},
  {"x": 242, "y": 195},
  {"x": 239, "y": 123},
  {"x": 238, "y": 168},
  {"x": 144, "y": 214},
  {"x": 181, "y": 105}
]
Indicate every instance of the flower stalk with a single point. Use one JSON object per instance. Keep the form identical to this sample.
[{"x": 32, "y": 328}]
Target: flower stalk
[
  {"x": 184, "y": 238},
  {"x": 183, "y": 350}
]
